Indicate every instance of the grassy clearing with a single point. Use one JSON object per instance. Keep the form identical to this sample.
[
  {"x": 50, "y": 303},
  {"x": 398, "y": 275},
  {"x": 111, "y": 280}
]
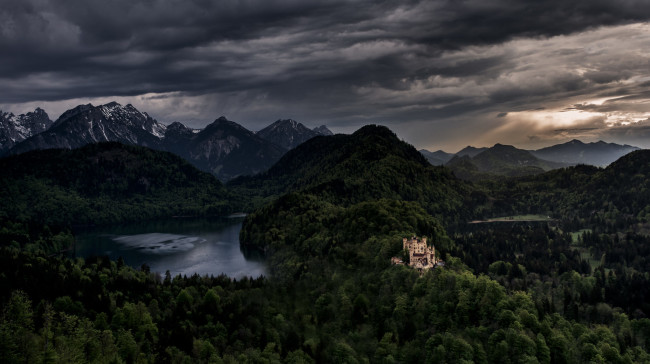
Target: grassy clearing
[
  {"x": 576, "y": 235},
  {"x": 594, "y": 262},
  {"x": 515, "y": 218}
]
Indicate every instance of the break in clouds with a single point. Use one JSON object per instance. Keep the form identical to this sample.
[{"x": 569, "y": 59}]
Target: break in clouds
[{"x": 442, "y": 74}]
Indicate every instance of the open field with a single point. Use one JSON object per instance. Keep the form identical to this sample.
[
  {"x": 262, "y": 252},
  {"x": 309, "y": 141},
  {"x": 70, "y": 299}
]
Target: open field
[
  {"x": 575, "y": 236},
  {"x": 515, "y": 218}
]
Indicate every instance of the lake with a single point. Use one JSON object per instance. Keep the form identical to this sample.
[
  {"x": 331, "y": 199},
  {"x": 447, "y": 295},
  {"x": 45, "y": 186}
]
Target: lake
[{"x": 182, "y": 246}]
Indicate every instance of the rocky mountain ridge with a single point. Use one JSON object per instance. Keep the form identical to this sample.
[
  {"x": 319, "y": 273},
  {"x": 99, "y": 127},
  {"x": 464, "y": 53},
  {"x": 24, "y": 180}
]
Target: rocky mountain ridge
[
  {"x": 597, "y": 153},
  {"x": 574, "y": 152},
  {"x": 289, "y": 133},
  {"x": 501, "y": 160},
  {"x": 437, "y": 158},
  {"x": 223, "y": 148},
  {"x": 16, "y": 128},
  {"x": 87, "y": 124}
]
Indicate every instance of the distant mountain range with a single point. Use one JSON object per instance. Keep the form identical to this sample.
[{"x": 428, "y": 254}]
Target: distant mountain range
[
  {"x": 289, "y": 133},
  {"x": 228, "y": 150},
  {"x": 502, "y": 160},
  {"x": 91, "y": 124},
  {"x": 598, "y": 154},
  {"x": 14, "y": 129},
  {"x": 223, "y": 148},
  {"x": 470, "y": 151},
  {"x": 506, "y": 160},
  {"x": 437, "y": 158},
  {"x": 370, "y": 164}
]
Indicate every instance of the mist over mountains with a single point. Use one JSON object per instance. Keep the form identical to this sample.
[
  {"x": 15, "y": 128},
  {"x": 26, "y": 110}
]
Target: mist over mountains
[
  {"x": 576, "y": 152},
  {"x": 507, "y": 160}
]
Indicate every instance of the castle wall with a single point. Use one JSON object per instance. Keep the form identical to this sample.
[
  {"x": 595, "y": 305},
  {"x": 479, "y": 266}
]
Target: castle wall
[{"x": 421, "y": 256}]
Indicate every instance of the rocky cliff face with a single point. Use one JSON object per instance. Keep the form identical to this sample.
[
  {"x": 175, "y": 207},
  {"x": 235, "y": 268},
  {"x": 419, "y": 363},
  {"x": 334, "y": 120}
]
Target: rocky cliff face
[
  {"x": 16, "y": 128},
  {"x": 177, "y": 138},
  {"x": 87, "y": 124},
  {"x": 223, "y": 148},
  {"x": 289, "y": 133},
  {"x": 227, "y": 149},
  {"x": 323, "y": 130}
]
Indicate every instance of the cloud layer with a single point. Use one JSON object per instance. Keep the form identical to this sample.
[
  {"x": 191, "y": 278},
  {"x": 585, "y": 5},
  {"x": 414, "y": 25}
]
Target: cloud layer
[{"x": 438, "y": 72}]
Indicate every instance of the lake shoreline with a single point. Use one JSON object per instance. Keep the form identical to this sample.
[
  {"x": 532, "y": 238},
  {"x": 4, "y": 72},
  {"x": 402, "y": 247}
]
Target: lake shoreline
[{"x": 182, "y": 246}]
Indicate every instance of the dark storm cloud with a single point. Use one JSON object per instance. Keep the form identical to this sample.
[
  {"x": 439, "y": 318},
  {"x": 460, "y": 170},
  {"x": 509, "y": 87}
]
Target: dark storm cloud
[
  {"x": 344, "y": 62},
  {"x": 635, "y": 100},
  {"x": 124, "y": 47}
]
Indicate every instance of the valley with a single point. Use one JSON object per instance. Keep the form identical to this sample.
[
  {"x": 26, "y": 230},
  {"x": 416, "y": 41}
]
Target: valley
[
  {"x": 228, "y": 150},
  {"x": 561, "y": 277},
  {"x": 505, "y": 160},
  {"x": 306, "y": 182}
]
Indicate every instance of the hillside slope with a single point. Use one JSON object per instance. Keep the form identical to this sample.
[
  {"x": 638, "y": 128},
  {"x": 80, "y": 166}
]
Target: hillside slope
[
  {"x": 225, "y": 149},
  {"x": 437, "y": 158},
  {"x": 16, "y": 128},
  {"x": 370, "y": 164},
  {"x": 499, "y": 160},
  {"x": 92, "y": 124},
  {"x": 104, "y": 183},
  {"x": 289, "y": 133},
  {"x": 609, "y": 199},
  {"x": 346, "y": 200}
]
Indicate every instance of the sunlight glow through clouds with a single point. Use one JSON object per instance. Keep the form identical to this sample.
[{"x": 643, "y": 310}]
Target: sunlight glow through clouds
[
  {"x": 577, "y": 117},
  {"x": 619, "y": 119},
  {"x": 558, "y": 118},
  {"x": 426, "y": 69}
]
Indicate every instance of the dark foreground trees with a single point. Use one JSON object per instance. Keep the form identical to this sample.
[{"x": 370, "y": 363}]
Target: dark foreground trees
[{"x": 389, "y": 315}]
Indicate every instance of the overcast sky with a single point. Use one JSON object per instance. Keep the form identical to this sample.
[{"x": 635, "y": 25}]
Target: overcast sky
[{"x": 442, "y": 74}]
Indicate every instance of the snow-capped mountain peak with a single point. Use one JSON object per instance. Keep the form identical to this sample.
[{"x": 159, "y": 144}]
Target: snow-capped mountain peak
[
  {"x": 90, "y": 124},
  {"x": 16, "y": 128}
]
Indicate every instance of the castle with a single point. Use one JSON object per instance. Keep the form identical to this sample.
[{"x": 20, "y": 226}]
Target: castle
[{"x": 421, "y": 256}]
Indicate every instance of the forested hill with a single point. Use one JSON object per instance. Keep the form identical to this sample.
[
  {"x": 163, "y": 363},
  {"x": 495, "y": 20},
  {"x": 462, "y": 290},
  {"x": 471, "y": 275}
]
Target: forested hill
[
  {"x": 104, "y": 183},
  {"x": 610, "y": 199},
  {"x": 621, "y": 192},
  {"x": 331, "y": 240},
  {"x": 498, "y": 161},
  {"x": 627, "y": 170},
  {"x": 351, "y": 198},
  {"x": 370, "y": 164},
  {"x": 368, "y": 144},
  {"x": 544, "y": 296}
]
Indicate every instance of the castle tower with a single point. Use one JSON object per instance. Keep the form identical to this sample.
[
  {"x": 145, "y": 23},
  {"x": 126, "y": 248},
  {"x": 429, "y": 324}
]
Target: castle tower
[
  {"x": 433, "y": 253},
  {"x": 421, "y": 255}
]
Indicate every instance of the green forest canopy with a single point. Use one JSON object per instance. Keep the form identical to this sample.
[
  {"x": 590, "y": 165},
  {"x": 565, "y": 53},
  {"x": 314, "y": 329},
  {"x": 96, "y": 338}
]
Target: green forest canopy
[{"x": 509, "y": 292}]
